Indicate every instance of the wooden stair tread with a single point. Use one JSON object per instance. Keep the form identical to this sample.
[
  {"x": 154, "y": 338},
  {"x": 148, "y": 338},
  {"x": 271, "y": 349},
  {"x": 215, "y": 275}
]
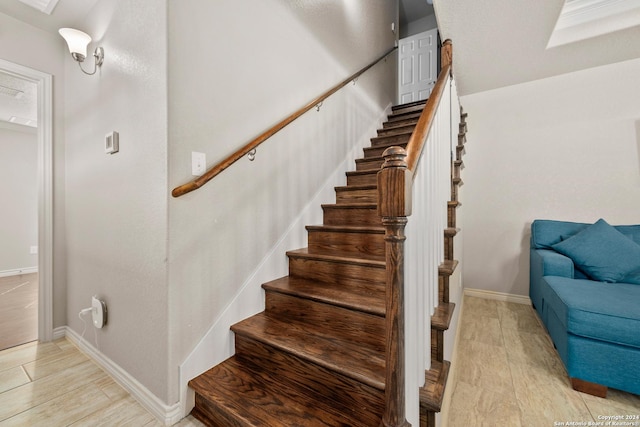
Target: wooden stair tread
[
  {"x": 314, "y": 343},
  {"x": 447, "y": 267},
  {"x": 451, "y": 231},
  {"x": 340, "y": 257},
  {"x": 363, "y": 172},
  {"x": 432, "y": 394},
  {"x": 356, "y": 187},
  {"x": 347, "y": 228},
  {"x": 409, "y": 104},
  {"x": 370, "y": 299},
  {"x": 249, "y": 397},
  {"x": 402, "y": 116},
  {"x": 442, "y": 316},
  {"x": 393, "y": 127}
]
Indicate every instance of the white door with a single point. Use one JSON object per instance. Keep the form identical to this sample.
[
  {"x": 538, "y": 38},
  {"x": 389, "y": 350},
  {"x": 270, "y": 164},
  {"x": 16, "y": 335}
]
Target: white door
[{"x": 417, "y": 71}]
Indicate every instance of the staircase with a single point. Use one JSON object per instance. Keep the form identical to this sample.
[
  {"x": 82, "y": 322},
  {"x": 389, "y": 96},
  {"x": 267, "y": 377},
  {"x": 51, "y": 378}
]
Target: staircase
[{"x": 316, "y": 355}]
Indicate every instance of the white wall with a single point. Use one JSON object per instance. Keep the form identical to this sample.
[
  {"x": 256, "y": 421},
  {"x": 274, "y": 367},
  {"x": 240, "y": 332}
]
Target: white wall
[
  {"x": 26, "y": 45},
  {"x": 229, "y": 82},
  {"x": 116, "y": 205},
  {"x": 19, "y": 196},
  {"x": 418, "y": 26},
  {"x": 564, "y": 148}
]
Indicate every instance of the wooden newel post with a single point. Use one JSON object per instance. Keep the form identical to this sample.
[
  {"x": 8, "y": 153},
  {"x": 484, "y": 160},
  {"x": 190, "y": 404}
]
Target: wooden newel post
[
  {"x": 394, "y": 205},
  {"x": 446, "y": 54}
]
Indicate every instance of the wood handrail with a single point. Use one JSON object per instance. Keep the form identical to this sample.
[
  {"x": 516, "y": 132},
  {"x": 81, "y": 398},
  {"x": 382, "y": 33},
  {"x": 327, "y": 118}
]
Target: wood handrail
[
  {"x": 425, "y": 122},
  {"x": 217, "y": 169},
  {"x": 395, "y": 187}
]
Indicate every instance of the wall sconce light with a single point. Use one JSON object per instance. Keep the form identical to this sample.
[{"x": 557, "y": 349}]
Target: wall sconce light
[{"x": 78, "y": 42}]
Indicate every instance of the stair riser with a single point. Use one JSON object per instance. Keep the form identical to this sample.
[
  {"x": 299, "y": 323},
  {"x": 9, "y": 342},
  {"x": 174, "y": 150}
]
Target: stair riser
[
  {"x": 364, "y": 328},
  {"x": 355, "y": 243},
  {"x": 443, "y": 289},
  {"x": 339, "y": 391},
  {"x": 451, "y": 216},
  {"x": 327, "y": 271},
  {"x": 437, "y": 345},
  {"x": 460, "y": 152},
  {"x": 351, "y": 216},
  {"x": 377, "y": 151},
  {"x": 448, "y": 247},
  {"x": 368, "y": 164},
  {"x": 356, "y": 196},
  {"x": 395, "y": 118},
  {"x": 388, "y": 141},
  {"x": 365, "y": 179},
  {"x": 396, "y": 130},
  {"x": 408, "y": 110},
  {"x": 213, "y": 415},
  {"x": 455, "y": 192},
  {"x": 401, "y": 122}
]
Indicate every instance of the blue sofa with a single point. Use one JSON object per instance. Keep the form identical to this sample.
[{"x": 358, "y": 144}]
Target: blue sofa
[{"x": 585, "y": 286}]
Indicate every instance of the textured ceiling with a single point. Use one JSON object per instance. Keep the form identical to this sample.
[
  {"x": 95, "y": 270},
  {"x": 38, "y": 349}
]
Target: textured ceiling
[
  {"x": 22, "y": 107},
  {"x": 503, "y": 42}
]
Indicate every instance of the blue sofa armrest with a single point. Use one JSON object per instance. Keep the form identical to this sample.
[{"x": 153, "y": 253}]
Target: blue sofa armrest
[
  {"x": 546, "y": 262},
  {"x": 552, "y": 263}
]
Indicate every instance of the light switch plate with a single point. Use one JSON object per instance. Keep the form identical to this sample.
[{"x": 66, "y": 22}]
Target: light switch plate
[
  {"x": 112, "y": 143},
  {"x": 198, "y": 163}
]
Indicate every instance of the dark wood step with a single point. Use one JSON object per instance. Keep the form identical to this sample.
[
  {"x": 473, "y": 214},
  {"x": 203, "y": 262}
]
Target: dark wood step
[
  {"x": 408, "y": 109},
  {"x": 408, "y": 104},
  {"x": 463, "y": 117},
  {"x": 351, "y": 214},
  {"x": 397, "y": 129},
  {"x": 401, "y": 121},
  {"x": 346, "y": 239},
  {"x": 346, "y": 269},
  {"x": 390, "y": 140},
  {"x": 440, "y": 322},
  {"x": 363, "y": 177},
  {"x": 460, "y": 152},
  {"x": 451, "y": 213},
  {"x": 458, "y": 166},
  {"x": 449, "y": 235},
  {"x": 462, "y": 127},
  {"x": 238, "y": 393},
  {"x": 337, "y": 351},
  {"x": 444, "y": 275},
  {"x": 357, "y": 194},
  {"x": 369, "y": 163},
  {"x": 353, "y": 325},
  {"x": 366, "y": 299},
  {"x": 432, "y": 394},
  {"x": 403, "y": 116},
  {"x": 462, "y": 138},
  {"x": 378, "y": 149}
]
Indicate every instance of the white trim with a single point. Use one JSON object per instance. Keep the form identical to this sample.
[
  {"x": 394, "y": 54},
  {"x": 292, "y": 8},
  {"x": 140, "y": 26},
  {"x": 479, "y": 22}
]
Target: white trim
[
  {"x": 166, "y": 414},
  {"x": 44, "y": 84},
  {"x": 498, "y": 296},
  {"x": 19, "y": 271}
]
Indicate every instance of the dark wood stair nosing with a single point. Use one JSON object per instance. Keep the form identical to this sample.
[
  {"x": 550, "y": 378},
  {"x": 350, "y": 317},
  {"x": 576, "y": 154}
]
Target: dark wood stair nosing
[
  {"x": 432, "y": 394},
  {"x": 441, "y": 318}
]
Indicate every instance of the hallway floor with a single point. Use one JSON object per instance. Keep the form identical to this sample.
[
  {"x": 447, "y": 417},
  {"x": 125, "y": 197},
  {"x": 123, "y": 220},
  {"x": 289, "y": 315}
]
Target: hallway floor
[
  {"x": 18, "y": 309},
  {"x": 54, "y": 384},
  {"x": 509, "y": 374}
]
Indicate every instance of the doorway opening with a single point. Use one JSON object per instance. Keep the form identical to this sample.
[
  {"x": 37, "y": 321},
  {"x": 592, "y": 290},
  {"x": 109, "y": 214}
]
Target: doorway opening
[{"x": 23, "y": 286}]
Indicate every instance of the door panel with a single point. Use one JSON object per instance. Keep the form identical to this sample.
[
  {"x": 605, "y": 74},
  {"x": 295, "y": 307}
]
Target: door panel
[{"x": 417, "y": 66}]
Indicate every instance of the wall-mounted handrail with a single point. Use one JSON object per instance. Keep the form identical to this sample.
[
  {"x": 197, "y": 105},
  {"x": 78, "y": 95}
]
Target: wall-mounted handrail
[{"x": 253, "y": 144}]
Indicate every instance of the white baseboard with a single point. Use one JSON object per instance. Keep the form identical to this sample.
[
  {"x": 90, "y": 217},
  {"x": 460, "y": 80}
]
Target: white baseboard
[
  {"x": 166, "y": 414},
  {"x": 19, "y": 271},
  {"x": 498, "y": 296}
]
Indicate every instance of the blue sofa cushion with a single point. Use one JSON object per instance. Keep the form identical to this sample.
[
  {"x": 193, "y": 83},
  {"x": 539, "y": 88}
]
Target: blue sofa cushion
[
  {"x": 595, "y": 310},
  {"x": 602, "y": 252}
]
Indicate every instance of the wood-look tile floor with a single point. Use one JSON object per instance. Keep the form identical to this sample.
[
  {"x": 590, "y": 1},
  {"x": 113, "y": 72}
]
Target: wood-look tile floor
[
  {"x": 54, "y": 384},
  {"x": 18, "y": 309},
  {"x": 509, "y": 374}
]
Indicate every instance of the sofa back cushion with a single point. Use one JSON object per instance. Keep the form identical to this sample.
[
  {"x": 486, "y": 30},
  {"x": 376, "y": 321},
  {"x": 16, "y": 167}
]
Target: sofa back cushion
[
  {"x": 546, "y": 233},
  {"x": 603, "y": 252}
]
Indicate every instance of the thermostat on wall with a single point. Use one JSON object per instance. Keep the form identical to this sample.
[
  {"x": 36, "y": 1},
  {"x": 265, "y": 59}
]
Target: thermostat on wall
[{"x": 111, "y": 143}]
